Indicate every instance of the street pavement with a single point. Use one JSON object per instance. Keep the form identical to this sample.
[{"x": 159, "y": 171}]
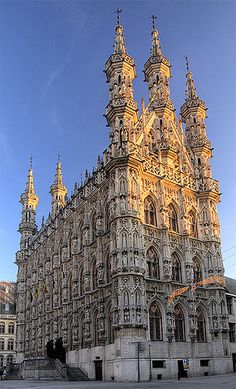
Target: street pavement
[{"x": 227, "y": 381}]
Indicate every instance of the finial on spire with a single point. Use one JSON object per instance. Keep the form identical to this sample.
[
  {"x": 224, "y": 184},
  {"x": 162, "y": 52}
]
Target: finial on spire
[
  {"x": 187, "y": 63},
  {"x": 31, "y": 160},
  {"x": 153, "y": 17},
  {"x": 58, "y": 156},
  {"x": 117, "y": 12}
]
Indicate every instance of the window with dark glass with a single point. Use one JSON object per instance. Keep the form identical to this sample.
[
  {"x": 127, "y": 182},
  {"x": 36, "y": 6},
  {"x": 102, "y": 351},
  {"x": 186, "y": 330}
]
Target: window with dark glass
[
  {"x": 153, "y": 263},
  {"x": 176, "y": 268},
  {"x": 232, "y": 332},
  {"x": 155, "y": 322},
  {"x": 179, "y": 324},
  {"x": 10, "y": 344},
  {"x": 149, "y": 212},
  {"x": 2, "y": 328},
  {"x": 11, "y": 328},
  {"x": 1, "y": 344},
  {"x": 201, "y": 326},
  {"x": 173, "y": 220},
  {"x": 229, "y": 301}
]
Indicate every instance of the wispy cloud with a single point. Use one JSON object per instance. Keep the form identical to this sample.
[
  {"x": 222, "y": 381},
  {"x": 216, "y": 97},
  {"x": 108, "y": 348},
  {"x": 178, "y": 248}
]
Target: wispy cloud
[
  {"x": 5, "y": 155},
  {"x": 55, "y": 74}
]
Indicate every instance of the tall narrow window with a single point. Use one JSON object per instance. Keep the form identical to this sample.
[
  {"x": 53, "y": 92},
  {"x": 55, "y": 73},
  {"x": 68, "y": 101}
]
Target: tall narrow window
[
  {"x": 153, "y": 263},
  {"x": 11, "y": 328},
  {"x": 108, "y": 268},
  {"x": 155, "y": 322},
  {"x": 81, "y": 282},
  {"x": 179, "y": 324},
  {"x": 1, "y": 344},
  {"x": 94, "y": 272},
  {"x": 2, "y": 328},
  {"x": 110, "y": 332},
  {"x": 201, "y": 326},
  {"x": 10, "y": 344},
  {"x": 149, "y": 212},
  {"x": 193, "y": 224},
  {"x": 1, "y": 360},
  {"x": 173, "y": 219},
  {"x": 176, "y": 268},
  {"x": 96, "y": 329},
  {"x": 197, "y": 274}
]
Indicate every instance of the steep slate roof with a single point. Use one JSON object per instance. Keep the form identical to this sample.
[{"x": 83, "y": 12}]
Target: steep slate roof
[{"x": 231, "y": 285}]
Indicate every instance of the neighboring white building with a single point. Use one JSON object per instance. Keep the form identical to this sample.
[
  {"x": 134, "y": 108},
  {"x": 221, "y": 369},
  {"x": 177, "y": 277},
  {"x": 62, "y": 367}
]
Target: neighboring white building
[
  {"x": 100, "y": 271},
  {"x": 231, "y": 306},
  {"x": 7, "y": 323}
]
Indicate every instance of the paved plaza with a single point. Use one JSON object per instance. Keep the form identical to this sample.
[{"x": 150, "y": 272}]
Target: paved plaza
[{"x": 213, "y": 382}]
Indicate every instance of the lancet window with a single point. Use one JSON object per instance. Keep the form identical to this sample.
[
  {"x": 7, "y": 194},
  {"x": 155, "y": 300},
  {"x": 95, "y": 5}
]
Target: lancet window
[
  {"x": 149, "y": 212},
  {"x": 201, "y": 326},
  {"x": 173, "y": 219},
  {"x": 155, "y": 322},
  {"x": 2, "y": 328},
  {"x": 176, "y": 268},
  {"x": 197, "y": 274},
  {"x": 153, "y": 263},
  {"x": 193, "y": 224},
  {"x": 179, "y": 324}
]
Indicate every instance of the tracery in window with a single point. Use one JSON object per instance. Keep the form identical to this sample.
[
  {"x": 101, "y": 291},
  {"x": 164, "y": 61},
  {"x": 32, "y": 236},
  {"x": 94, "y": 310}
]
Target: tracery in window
[
  {"x": 176, "y": 268},
  {"x": 11, "y": 328},
  {"x": 173, "y": 219},
  {"x": 10, "y": 344},
  {"x": 153, "y": 263},
  {"x": 149, "y": 212},
  {"x": 201, "y": 326},
  {"x": 179, "y": 324},
  {"x": 155, "y": 322}
]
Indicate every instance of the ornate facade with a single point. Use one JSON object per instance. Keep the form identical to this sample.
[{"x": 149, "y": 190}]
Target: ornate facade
[
  {"x": 99, "y": 271},
  {"x": 7, "y": 323}
]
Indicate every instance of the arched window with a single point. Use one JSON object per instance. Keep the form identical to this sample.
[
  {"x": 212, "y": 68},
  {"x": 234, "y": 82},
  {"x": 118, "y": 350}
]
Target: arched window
[
  {"x": 94, "y": 274},
  {"x": 93, "y": 228},
  {"x": 153, "y": 263},
  {"x": 176, "y": 268},
  {"x": 81, "y": 282},
  {"x": 10, "y": 344},
  {"x": 1, "y": 360},
  {"x": 28, "y": 216},
  {"x": 2, "y": 328},
  {"x": 108, "y": 268},
  {"x": 179, "y": 324},
  {"x": 173, "y": 219},
  {"x": 1, "y": 344},
  {"x": 193, "y": 224},
  {"x": 70, "y": 287},
  {"x": 11, "y": 328},
  {"x": 155, "y": 322},
  {"x": 197, "y": 274},
  {"x": 124, "y": 240},
  {"x": 110, "y": 332},
  {"x": 149, "y": 212},
  {"x": 96, "y": 329},
  {"x": 119, "y": 79},
  {"x": 10, "y": 359},
  {"x": 201, "y": 326},
  {"x": 122, "y": 185},
  {"x": 82, "y": 331}
]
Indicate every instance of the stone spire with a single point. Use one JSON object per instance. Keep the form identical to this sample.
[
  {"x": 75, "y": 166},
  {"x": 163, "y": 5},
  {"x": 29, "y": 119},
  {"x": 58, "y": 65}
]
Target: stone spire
[
  {"x": 157, "y": 74},
  {"x": 121, "y": 111},
  {"x": 191, "y": 93},
  {"x": 29, "y": 201},
  {"x": 58, "y": 191}
]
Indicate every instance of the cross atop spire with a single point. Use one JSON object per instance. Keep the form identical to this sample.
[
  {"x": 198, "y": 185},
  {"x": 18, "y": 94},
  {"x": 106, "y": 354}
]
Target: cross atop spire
[
  {"x": 117, "y": 12},
  {"x": 153, "y": 21},
  {"x": 187, "y": 63}
]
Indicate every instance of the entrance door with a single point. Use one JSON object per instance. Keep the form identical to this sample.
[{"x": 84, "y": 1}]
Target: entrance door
[
  {"x": 98, "y": 370},
  {"x": 181, "y": 371},
  {"x": 234, "y": 362}
]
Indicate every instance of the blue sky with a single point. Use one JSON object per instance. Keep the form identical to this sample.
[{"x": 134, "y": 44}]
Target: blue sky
[{"x": 54, "y": 93}]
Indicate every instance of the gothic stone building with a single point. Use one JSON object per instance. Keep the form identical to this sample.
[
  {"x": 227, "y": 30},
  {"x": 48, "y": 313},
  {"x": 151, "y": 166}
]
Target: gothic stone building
[{"x": 100, "y": 269}]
